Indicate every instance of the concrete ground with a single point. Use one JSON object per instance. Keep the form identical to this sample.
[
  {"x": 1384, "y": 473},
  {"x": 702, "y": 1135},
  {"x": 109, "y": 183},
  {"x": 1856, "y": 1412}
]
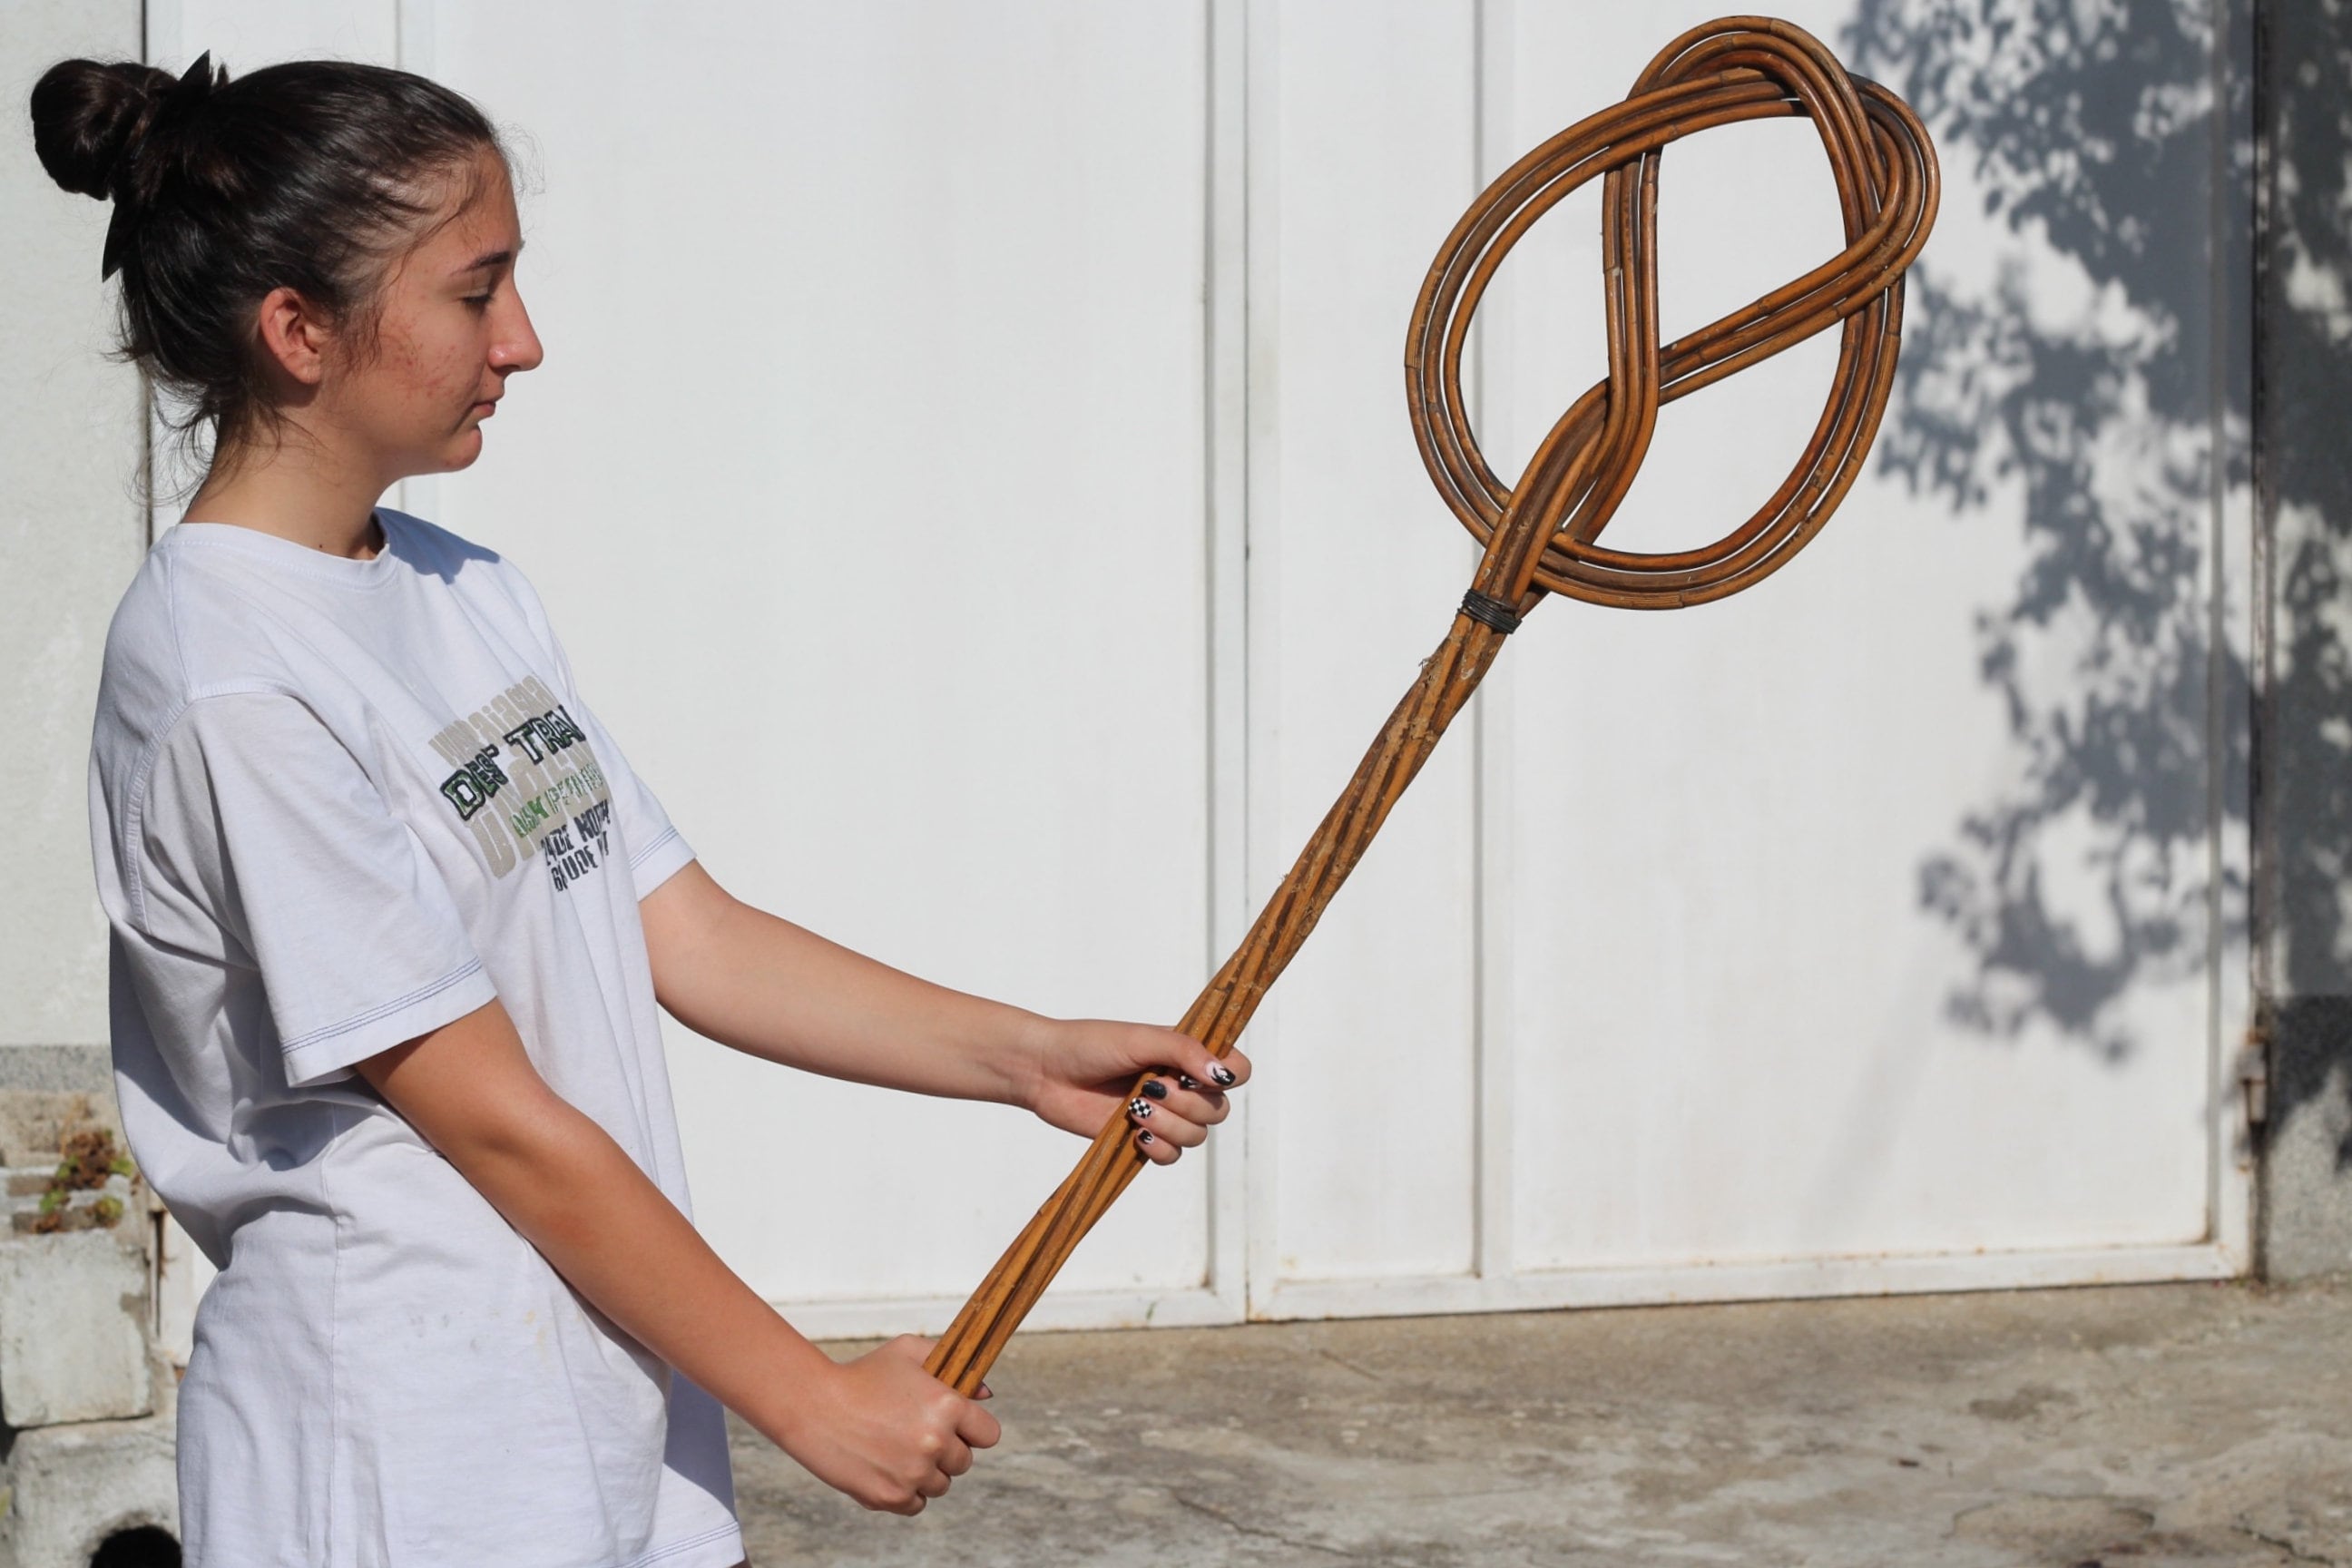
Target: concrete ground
[{"x": 2135, "y": 1428}]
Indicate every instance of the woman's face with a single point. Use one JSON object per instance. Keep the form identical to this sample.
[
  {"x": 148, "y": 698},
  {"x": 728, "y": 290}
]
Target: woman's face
[{"x": 452, "y": 330}]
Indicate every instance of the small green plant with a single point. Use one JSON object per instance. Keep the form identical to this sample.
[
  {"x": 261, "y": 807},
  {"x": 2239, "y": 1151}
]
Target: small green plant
[{"x": 89, "y": 1157}]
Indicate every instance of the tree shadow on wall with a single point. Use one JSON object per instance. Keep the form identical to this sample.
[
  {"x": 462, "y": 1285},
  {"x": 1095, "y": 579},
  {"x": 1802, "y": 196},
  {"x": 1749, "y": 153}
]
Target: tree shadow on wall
[{"x": 2078, "y": 374}]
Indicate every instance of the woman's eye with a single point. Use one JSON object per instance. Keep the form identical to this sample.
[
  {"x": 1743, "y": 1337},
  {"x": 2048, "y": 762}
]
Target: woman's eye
[{"x": 478, "y": 301}]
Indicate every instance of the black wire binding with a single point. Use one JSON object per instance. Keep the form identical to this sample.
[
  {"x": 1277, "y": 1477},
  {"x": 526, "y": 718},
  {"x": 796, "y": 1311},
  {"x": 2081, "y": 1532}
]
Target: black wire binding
[{"x": 1489, "y": 611}]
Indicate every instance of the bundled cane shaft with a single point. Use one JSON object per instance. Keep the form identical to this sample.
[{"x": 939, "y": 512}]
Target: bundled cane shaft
[
  {"x": 1538, "y": 534},
  {"x": 1222, "y": 1010}
]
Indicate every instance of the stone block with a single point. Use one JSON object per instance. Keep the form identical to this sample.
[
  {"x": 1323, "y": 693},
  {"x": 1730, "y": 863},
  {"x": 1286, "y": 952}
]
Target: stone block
[
  {"x": 73, "y": 1311},
  {"x": 69, "y": 1489}
]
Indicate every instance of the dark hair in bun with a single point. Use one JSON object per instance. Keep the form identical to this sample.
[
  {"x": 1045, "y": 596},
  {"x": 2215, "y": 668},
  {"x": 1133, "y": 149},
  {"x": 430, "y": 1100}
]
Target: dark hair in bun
[
  {"x": 313, "y": 175},
  {"x": 86, "y": 115}
]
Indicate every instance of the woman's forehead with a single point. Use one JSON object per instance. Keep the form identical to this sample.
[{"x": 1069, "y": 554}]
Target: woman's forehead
[{"x": 483, "y": 230}]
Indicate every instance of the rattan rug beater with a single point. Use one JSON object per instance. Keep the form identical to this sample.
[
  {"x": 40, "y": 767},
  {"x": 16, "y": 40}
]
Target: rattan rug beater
[{"x": 1539, "y": 535}]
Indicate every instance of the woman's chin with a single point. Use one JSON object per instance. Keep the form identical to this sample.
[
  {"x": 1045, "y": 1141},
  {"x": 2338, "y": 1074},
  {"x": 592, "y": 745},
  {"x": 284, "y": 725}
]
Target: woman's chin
[{"x": 462, "y": 449}]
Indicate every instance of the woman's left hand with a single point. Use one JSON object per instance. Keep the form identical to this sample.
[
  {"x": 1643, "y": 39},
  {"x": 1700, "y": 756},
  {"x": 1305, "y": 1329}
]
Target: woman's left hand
[{"x": 1086, "y": 1067}]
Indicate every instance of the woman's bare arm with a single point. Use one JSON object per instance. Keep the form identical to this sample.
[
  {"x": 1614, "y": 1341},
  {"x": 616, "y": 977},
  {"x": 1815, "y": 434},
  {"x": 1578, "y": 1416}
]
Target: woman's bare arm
[
  {"x": 739, "y": 976},
  {"x": 879, "y": 1428},
  {"x": 746, "y": 978}
]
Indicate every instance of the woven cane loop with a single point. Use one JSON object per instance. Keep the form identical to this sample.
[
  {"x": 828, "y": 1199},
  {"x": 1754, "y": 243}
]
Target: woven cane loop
[
  {"x": 1742, "y": 68},
  {"x": 1539, "y": 535}
]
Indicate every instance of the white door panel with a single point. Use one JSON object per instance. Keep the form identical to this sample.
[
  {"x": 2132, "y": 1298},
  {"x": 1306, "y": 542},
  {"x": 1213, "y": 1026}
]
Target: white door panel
[{"x": 888, "y": 333}]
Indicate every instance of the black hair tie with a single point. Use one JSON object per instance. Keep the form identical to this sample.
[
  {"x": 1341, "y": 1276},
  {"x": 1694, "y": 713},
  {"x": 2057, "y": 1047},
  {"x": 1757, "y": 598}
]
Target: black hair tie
[{"x": 195, "y": 84}]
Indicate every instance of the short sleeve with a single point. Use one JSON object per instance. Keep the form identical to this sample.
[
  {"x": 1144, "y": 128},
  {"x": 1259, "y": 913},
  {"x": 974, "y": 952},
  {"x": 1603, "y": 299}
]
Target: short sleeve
[
  {"x": 657, "y": 848},
  {"x": 254, "y": 816}
]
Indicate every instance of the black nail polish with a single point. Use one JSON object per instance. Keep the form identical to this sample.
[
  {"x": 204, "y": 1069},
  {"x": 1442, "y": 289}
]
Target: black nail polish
[
  {"x": 1139, "y": 1106},
  {"x": 1222, "y": 1074},
  {"x": 1155, "y": 1089},
  {"x": 1145, "y": 1138},
  {"x": 1186, "y": 1080}
]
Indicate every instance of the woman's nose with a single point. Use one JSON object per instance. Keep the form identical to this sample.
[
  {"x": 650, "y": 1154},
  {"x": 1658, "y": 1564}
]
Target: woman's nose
[{"x": 516, "y": 346}]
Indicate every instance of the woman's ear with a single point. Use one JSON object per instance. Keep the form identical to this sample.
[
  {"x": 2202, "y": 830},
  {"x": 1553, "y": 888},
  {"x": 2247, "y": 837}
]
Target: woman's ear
[{"x": 294, "y": 335}]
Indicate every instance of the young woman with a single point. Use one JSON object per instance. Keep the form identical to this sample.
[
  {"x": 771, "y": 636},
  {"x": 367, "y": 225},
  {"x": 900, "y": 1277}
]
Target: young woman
[{"x": 391, "y": 912}]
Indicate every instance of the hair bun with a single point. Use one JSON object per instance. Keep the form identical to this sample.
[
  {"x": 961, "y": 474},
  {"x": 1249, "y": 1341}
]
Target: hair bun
[{"x": 86, "y": 117}]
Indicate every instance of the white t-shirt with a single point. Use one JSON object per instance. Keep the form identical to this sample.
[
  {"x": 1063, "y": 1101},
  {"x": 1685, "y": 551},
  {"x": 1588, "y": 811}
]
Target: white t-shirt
[{"x": 335, "y": 804}]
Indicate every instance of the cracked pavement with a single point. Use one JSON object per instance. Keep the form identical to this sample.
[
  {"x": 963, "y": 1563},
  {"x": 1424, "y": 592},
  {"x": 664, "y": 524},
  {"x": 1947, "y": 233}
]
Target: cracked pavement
[{"x": 2144, "y": 1426}]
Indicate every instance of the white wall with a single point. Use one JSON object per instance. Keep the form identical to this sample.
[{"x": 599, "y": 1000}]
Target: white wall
[
  {"x": 971, "y": 467},
  {"x": 70, "y": 533}
]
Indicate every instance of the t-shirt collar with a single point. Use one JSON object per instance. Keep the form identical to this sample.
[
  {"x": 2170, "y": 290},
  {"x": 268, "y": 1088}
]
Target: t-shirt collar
[{"x": 286, "y": 553}]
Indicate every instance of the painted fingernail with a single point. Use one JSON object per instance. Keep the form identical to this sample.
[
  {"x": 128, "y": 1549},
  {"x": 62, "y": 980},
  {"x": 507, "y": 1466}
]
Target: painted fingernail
[
  {"x": 1222, "y": 1074},
  {"x": 1185, "y": 1080},
  {"x": 1155, "y": 1089},
  {"x": 1139, "y": 1106},
  {"x": 1145, "y": 1138}
]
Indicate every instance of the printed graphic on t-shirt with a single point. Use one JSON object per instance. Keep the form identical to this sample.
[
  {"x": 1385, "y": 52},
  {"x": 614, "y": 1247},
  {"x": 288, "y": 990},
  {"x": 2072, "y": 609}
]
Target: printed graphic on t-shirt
[{"x": 528, "y": 781}]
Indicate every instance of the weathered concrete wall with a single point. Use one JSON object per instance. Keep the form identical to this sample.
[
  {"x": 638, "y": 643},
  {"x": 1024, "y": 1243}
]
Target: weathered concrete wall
[
  {"x": 72, "y": 528},
  {"x": 2305, "y": 817}
]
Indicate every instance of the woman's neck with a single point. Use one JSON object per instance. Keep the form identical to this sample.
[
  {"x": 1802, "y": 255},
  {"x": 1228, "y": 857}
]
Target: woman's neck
[{"x": 298, "y": 494}]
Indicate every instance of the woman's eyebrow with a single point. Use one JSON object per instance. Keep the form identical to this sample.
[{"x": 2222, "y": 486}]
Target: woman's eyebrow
[{"x": 489, "y": 259}]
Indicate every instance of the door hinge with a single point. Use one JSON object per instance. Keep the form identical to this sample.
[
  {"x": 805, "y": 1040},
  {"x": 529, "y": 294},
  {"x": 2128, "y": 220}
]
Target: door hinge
[{"x": 2255, "y": 1071}]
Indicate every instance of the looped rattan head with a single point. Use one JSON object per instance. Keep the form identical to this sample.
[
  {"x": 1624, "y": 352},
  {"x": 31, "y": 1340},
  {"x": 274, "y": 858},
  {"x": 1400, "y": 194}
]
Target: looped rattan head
[{"x": 1539, "y": 535}]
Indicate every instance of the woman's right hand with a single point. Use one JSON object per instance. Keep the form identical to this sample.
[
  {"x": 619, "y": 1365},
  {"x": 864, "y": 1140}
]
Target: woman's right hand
[{"x": 885, "y": 1431}]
